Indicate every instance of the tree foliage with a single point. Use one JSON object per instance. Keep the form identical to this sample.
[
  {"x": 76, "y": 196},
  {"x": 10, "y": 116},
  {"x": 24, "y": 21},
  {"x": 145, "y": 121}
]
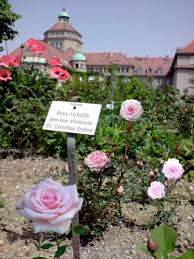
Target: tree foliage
[{"x": 7, "y": 20}]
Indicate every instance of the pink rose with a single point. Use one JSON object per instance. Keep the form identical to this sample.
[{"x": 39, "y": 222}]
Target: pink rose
[
  {"x": 156, "y": 190},
  {"x": 131, "y": 110},
  {"x": 97, "y": 161},
  {"x": 36, "y": 46},
  {"x": 172, "y": 169},
  {"x": 50, "y": 206},
  {"x": 55, "y": 61}
]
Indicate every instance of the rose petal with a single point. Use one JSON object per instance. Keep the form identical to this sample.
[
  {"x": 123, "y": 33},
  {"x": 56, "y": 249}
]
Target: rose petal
[{"x": 61, "y": 228}]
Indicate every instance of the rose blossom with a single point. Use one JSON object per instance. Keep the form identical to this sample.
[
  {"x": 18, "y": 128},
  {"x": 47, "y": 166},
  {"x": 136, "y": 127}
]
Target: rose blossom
[
  {"x": 50, "y": 206},
  {"x": 131, "y": 110},
  {"x": 156, "y": 190},
  {"x": 35, "y": 45},
  {"x": 172, "y": 169},
  {"x": 59, "y": 73},
  {"x": 97, "y": 161},
  {"x": 5, "y": 75},
  {"x": 55, "y": 61},
  {"x": 9, "y": 61}
]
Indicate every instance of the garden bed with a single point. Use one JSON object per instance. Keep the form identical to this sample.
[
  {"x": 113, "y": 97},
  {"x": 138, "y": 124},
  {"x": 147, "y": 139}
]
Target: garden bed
[{"x": 123, "y": 241}]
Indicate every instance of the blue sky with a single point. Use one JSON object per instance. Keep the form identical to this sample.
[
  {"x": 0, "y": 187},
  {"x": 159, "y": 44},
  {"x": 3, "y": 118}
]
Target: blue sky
[{"x": 135, "y": 27}]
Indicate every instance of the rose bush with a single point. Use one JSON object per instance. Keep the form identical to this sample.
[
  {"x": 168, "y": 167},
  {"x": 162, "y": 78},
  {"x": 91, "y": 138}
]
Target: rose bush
[
  {"x": 97, "y": 161},
  {"x": 172, "y": 169},
  {"x": 50, "y": 206}
]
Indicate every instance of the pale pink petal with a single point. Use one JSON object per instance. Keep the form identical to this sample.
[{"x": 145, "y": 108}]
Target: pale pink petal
[
  {"x": 35, "y": 215},
  {"x": 61, "y": 228}
]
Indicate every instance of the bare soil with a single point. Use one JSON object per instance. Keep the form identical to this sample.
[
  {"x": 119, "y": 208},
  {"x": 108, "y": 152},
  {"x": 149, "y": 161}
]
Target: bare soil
[{"x": 119, "y": 242}]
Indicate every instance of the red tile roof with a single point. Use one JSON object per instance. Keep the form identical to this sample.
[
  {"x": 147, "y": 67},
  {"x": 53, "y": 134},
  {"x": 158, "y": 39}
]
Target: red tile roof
[
  {"x": 68, "y": 54},
  {"x": 48, "y": 54},
  {"x": 63, "y": 26},
  {"x": 106, "y": 58},
  {"x": 158, "y": 66},
  {"x": 189, "y": 49}
]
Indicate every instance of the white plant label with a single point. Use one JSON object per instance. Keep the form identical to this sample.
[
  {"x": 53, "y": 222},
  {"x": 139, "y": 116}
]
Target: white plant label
[{"x": 72, "y": 117}]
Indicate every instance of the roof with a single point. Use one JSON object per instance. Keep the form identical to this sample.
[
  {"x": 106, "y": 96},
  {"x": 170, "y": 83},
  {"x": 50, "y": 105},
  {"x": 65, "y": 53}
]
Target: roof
[
  {"x": 188, "y": 49},
  {"x": 78, "y": 57},
  {"x": 153, "y": 66},
  {"x": 68, "y": 54},
  {"x": 63, "y": 26},
  {"x": 48, "y": 54},
  {"x": 106, "y": 58}
]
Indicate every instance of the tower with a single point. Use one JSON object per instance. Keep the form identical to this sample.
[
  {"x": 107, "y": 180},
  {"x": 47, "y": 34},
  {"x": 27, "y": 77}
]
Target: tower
[{"x": 63, "y": 35}]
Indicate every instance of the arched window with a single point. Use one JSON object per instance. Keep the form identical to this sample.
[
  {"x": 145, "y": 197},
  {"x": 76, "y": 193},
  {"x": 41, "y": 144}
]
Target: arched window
[{"x": 159, "y": 70}]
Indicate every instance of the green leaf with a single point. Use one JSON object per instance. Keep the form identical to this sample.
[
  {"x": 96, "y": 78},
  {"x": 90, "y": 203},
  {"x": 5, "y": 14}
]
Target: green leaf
[
  {"x": 60, "y": 251},
  {"x": 188, "y": 255},
  {"x": 161, "y": 178},
  {"x": 166, "y": 238},
  {"x": 145, "y": 250},
  {"x": 46, "y": 246},
  {"x": 79, "y": 230}
]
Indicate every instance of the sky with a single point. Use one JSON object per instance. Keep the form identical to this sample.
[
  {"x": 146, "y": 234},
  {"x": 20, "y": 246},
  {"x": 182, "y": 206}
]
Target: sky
[{"x": 133, "y": 27}]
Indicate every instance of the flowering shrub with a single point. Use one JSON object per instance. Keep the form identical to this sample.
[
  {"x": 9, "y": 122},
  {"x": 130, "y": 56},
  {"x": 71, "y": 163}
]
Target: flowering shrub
[
  {"x": 135, "y": 147},
  {"x": 50, "y": 206}
]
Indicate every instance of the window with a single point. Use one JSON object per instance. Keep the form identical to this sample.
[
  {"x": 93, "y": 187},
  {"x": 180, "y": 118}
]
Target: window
[
  {"x": 62, "y": 33},
  {"x": 56, "y": 44},
  {"x": 139, "y": 70},
  {"x": 191, "y": 60},
  {"x": 61, "y": 45},
  {"x": 159, "y": 70},
  {"x": 81, "y": 66},
  {"x": 105, "y": 69},
  {"x": 149, "y": 71},
  {"x": 122, "y": 70},
  {"x": 76, "y": 65},
  {"x": 52, "y": 44},
  {"x": 159, "y": 81},
  {"x": 127, "y": 70}
]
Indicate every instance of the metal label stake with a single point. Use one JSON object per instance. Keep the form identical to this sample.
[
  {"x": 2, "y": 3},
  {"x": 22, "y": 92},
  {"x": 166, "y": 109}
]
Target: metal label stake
[{"x": 72, "y": 180}]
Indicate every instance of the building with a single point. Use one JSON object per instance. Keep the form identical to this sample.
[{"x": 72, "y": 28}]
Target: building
[
  {"x": 64, "y": 41},
  {"x": 181, "y": 72}
]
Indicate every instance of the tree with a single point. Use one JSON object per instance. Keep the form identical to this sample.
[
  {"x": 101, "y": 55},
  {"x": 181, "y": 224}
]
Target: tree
[{"x": 7, "y": 20}]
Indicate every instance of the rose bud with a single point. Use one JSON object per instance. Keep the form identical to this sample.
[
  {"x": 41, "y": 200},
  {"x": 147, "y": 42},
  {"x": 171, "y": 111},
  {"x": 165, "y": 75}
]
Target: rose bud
[
  {"x": 152, "y": 245},
  {"x": 120, "y": 190},
  {"x": 151, "y": 174}
]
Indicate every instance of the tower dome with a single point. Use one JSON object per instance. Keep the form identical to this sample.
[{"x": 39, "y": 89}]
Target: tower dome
[
  {"x": 63, "y": 15},
  {"x": 79, "y": 57},
  {"x": 78, "y": 61}
]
